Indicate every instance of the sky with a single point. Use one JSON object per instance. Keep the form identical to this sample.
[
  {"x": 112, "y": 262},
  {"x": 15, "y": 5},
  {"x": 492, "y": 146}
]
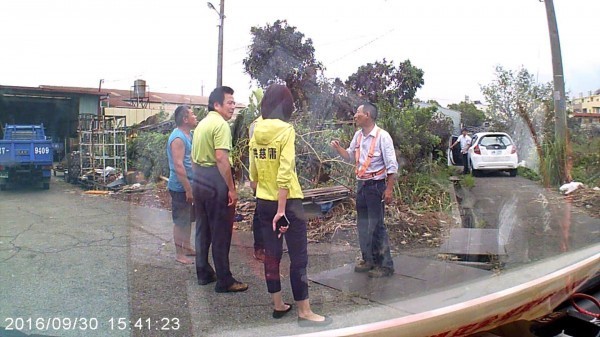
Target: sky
[{"x": 173, "y": 44}]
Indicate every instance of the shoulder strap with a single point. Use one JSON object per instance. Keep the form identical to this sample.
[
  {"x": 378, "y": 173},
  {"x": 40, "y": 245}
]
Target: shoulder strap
[{"x": 360, "y": 170}]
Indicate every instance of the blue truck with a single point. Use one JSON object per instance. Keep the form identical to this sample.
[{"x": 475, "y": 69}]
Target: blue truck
[{"x": 25, "y": 155}]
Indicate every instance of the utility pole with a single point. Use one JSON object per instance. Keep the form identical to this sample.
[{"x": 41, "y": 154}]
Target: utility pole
[
  {"x": 221, "y": 14},
  {"x": 560, "y": 106},
  {"x": 220, "y": 60}
]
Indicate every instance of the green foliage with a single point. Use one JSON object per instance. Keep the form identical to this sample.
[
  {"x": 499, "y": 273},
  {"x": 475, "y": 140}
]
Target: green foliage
[
  {"x": 200, "y": 113},
  {"x": 424, "y": 191},
  {"x": 468, "y": 181},
  {"x": 148, "y": 153},
  {"x": 382, "y": 81},
  {"x": 513, "y": 94},
  {"x": 316, "y": 163},
  {"x": 552, "y": 168},
  {"x": 527, "y": 173},
  {"x": 280, "y": 53},
  {"x": 239, "y": 133},
  {"x": 517, "y": 100},
  {"x": 586, "y": 160},
  {"x": 471, "y": 116},
  {"x": 411, "y": 131}
]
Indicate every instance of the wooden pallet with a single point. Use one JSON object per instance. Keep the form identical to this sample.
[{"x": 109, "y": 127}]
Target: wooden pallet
[{"x": 324, "y": 195}]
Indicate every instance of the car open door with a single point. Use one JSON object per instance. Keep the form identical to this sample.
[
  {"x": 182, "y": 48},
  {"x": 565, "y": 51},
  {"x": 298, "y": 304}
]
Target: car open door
[{"x": 453, "y": 154}]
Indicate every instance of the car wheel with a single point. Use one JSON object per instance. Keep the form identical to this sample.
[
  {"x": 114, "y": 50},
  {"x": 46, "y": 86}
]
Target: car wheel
[
  {"x": 2, "y": 187},
  {"x": 513, "y": 172}
]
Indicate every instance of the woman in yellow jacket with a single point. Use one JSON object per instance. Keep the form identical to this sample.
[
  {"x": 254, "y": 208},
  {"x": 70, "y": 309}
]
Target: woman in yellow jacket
[{"x": 279, "y": 207}]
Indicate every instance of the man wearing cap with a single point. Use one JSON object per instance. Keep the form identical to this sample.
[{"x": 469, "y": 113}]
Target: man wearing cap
[{"x": 373, "y": 151}]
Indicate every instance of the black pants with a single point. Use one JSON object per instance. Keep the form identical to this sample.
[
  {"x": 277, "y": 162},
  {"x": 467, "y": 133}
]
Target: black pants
[
  {"x": 465, "y": 158},
  {"x": 372, "y": 233},
  {"x": 214, "y": 225},
  {"x": 296, "y": 240},
  {"x": 257, "y": 231}
]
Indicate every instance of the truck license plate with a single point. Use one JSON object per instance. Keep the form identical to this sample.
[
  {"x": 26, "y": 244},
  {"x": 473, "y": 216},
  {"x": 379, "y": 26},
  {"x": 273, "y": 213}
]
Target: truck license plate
[{"x": 22, "y": 152}]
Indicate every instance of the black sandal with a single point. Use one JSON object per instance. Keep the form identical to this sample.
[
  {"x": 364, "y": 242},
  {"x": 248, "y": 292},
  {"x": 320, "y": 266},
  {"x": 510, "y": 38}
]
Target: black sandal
[{"x": 280, "y": 313}]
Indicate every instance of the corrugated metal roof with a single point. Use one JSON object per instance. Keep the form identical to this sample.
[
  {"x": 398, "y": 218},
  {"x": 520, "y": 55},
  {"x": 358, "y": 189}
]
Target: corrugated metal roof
[
  {"x": 46, "y": 89},
  {"x": 122, "y": 98}
]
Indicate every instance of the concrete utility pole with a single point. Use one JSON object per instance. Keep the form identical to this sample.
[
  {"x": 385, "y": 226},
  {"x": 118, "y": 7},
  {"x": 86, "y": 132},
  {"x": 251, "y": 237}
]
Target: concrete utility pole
[
  {"x": 560, "y": 106},
  {"x": 220, "y": 61},
  {"x": 221, "y": 13}
]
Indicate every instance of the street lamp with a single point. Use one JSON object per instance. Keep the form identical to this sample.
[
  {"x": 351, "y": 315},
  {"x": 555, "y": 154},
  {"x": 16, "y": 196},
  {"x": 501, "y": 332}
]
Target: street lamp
[{"x": 221, "y": 14}]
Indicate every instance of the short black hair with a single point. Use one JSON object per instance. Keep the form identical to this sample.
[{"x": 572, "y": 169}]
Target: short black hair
[
  {"x": 218, "y": 96},
  {"x": 179, "y": 113},
  {"x": 277, "y": 103},
  {"x": 371, "y": 109}
]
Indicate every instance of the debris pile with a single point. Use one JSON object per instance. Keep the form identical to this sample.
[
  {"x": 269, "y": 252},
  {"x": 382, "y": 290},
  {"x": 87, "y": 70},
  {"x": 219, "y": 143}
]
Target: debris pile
[{"x": 587, "y": 199}]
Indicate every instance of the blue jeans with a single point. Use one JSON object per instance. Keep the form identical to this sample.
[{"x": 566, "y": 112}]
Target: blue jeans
[{"x": 372, "y": 233}]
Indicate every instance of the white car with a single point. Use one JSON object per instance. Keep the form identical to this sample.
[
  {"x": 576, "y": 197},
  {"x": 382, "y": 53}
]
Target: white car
[{"x": 494, "y": 151}]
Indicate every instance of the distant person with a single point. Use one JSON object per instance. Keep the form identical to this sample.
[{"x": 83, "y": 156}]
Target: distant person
[
  {"x": 179, "y": 149},
  {"x": 259, "y": 245},
  {"x": 273, "y": 169},
  {"x": 214, "y": 192},
  {"x": 465, "y": 143},
  {"x": 376, "y": 167}
]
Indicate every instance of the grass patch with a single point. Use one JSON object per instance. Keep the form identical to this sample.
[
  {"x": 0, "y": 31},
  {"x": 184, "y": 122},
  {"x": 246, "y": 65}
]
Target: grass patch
[
  {"x": 468, "y": 181},
  {"x": 528, "y": 173}
]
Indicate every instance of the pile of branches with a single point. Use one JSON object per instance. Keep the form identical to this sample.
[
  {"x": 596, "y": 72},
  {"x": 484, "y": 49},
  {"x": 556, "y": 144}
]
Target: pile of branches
[
  {"x": 588, "y": 199},
  {"x": 406, "y": 227}
]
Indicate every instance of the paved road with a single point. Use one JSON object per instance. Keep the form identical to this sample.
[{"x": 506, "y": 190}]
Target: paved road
[
  {"x": 64, "y": 254},
  {"x": 534, "y": 222}
]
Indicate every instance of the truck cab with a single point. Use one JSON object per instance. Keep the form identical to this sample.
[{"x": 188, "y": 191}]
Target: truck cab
[{"x": 25, "y": 155}]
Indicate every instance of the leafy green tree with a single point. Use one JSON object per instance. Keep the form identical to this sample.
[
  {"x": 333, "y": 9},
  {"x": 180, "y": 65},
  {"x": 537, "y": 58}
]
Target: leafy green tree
[
  {"x": 416, "y": 132},
  {"x": 523, "y": 107},
  {"x": 434, "y": 102},
  {"x": 515, "y": 96},
  {"x": 281, "y": 53},
  {"x": 382, "y": 81},
  {"x": 471, "y": 116}
]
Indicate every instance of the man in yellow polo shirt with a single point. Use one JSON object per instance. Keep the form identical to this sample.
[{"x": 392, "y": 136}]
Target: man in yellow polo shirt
[{"x": 215, "y": 196}]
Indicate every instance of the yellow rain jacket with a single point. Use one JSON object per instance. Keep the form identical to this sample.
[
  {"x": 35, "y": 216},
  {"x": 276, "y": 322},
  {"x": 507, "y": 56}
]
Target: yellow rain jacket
[{"x": 273, "y": 159}]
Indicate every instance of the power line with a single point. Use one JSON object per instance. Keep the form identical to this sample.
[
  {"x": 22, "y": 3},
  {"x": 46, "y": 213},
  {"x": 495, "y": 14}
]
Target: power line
[{"x": 364, "y": 45}]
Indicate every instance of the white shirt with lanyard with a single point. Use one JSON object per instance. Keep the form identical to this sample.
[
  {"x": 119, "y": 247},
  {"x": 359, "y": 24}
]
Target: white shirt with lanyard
[{"x": 374, "y": 154}]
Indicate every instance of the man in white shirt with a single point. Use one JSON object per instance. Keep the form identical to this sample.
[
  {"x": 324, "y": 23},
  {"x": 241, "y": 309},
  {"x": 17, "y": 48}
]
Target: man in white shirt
[
  {"x": 373, "y": 151},
  {"x": 465, "y": 144}
]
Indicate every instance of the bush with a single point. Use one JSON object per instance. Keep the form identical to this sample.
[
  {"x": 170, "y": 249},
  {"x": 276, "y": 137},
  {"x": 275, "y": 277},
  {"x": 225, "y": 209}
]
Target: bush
[
  {"x": 585, "y": 154},
  {"x": 416, "y": 133},
  {"x": 424, "y": 191},
  {"x": 528, "y": 173},
  {"x": 148, "y": 153}
]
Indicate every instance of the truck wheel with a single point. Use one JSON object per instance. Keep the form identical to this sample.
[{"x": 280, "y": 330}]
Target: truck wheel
[{"x": 46, "y": 186}]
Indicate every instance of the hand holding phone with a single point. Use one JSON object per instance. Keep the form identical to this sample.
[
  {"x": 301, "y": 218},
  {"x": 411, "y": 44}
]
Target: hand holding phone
[{"x": 281, "y": 225}]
